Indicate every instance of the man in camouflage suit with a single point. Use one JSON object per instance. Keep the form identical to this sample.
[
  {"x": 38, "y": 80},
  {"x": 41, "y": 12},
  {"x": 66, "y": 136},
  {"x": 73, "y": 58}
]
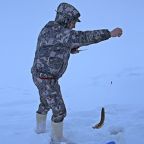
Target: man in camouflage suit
[{"x": 56, "y": 42}]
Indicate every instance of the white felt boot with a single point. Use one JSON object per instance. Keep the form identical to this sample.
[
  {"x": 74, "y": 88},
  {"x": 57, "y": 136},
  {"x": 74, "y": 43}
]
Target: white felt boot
[
  {"x": 40, "y": 123},
  {"x": 57, "y": 134}
]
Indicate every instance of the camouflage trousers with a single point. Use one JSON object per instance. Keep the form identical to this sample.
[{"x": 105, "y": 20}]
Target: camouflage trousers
[{"x": 50, "y": 98}]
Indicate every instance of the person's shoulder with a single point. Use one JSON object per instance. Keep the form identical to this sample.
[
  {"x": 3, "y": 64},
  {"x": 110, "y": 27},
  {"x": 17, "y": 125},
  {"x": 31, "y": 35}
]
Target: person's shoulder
[{"x": 50, "y": 24}]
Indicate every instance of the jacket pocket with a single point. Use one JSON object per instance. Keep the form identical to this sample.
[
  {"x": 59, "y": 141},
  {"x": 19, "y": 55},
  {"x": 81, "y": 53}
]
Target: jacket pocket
[{"x": 55, "y": 64}]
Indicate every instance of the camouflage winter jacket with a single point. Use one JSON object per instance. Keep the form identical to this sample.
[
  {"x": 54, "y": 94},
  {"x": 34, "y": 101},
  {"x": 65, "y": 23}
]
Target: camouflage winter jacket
[{"x": 56, "y": 41}]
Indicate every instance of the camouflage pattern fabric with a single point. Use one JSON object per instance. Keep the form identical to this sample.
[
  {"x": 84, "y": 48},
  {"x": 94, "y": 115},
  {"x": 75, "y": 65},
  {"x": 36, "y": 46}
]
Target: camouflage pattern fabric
[
  {"x": 54, "y": 46},
  {"x": 50, "y": 98},
  {"x": 66, "y": 13}
]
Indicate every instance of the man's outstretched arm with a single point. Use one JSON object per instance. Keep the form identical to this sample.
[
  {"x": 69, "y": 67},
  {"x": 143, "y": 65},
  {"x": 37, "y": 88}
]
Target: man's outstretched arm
[{"x": 83, "y": 38}]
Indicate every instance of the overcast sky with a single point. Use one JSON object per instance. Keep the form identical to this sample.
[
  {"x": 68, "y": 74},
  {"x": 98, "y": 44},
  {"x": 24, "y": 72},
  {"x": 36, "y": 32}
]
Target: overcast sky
[{"x": 21, "y": 22}]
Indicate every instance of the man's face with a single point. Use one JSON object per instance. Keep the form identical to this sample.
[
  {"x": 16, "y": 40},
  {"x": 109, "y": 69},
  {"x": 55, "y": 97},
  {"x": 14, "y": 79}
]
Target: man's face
[{"x": 72, "y": 24}]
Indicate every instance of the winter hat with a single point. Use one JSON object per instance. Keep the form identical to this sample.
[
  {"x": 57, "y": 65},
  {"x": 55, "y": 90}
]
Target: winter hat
[{"x": 66, "y": 13}]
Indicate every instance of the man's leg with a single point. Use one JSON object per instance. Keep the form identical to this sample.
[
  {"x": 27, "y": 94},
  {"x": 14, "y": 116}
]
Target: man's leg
[
  {"x": 51, "y": 98},
  {"x": 41, "y": 114},
  {"x": 59, "y": 112}
]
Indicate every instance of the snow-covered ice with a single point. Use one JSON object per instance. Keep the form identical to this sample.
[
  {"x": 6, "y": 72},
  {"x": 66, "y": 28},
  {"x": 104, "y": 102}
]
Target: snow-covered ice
[{"x": 124, "y": 123}]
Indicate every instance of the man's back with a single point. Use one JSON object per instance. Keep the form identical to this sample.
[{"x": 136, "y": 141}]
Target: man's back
[{"x": 52, "y": 51}]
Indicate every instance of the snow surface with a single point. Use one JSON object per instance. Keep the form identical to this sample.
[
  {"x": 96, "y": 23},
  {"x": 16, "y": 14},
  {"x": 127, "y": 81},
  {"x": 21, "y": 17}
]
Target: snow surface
[{"x": 124, "y": 123}]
